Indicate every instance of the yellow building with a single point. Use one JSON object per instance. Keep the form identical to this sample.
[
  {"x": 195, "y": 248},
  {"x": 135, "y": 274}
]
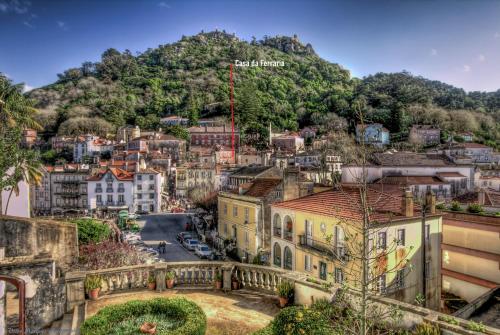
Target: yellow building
[
  {"x": 471, "y": 254},
  {"x": 316, "y": 235},
  {"x": 243, "y": 213}
]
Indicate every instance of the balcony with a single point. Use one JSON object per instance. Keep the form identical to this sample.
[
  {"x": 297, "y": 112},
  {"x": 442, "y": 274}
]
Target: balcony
[
  {"x": 323, "y": 248},
  {"x": 109, "y": 190},
  {"x": 98, "y": 190},
  {"x": 121, "y": 190},
  {"x": 288, "y": 235}
]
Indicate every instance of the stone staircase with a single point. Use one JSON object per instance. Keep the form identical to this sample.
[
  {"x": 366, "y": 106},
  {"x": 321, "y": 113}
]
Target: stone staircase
[{"x": 69, "y": 324}]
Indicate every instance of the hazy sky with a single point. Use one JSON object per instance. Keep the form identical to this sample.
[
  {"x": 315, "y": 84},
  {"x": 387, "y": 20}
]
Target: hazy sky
[{"x": 455, "y": 41}]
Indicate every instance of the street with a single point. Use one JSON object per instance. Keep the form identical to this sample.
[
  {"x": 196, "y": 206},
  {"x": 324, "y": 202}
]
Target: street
[{"x": 165, "y": 227}]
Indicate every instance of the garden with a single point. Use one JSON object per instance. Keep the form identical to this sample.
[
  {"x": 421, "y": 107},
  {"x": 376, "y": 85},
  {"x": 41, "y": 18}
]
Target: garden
[{"x": 162, "y": 316}]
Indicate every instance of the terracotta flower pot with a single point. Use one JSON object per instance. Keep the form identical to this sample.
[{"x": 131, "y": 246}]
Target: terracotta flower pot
[
  {"x": 148, "y": 328},
  {"x": 283, "y": 302},
  {"x": 152, "y": 286},
  {"x": 235, "y": 285},
  {"x": 94, "y": 293},
  {"x": 218, "y": 284},
  {"x": 170, "y": 283}
]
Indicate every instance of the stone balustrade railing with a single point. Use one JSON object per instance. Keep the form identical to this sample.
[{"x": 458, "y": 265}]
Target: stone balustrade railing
[{"x": 255, "y": 277}]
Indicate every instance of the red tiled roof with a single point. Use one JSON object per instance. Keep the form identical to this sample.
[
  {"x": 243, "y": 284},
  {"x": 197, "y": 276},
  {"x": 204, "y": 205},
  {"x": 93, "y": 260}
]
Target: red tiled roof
[
  {"x": 450, "y": 174},
  {"x": 261, "y": 187},
  {"x": 345, "y": 203},
  {"x": 410, "y": 180},
  {"x": 117, "y": 172}
]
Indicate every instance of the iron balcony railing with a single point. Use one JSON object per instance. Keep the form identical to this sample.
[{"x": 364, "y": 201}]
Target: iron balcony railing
[
  {"x": 338, "y": 252},
  {"x": 109, "y": 190},
  {"x": 98, "y": 190},
  {"x": 121, "y": 189},
  {"x": 277, "y": 231}
]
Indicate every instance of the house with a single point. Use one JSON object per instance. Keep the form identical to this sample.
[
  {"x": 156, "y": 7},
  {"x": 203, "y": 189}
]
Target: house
[
  {"x": 68, "y": 189},
  {"x": 174, "y": 120},
  {"x": 471, "y": 254},
  {"x": 488, "y": 181},
  {"x": 247, "y": 174},
  {"x": 192, "y": 176},
  {"x": 29, "y": 138},
  {"x": 418, "y": 185},
  {"x": 111, "y": 190},
  {"x": 466, "y": 136},
  {"x": 89, "y": 146},
  {"x": 489, "y": 199},
  {"x": 424, "y": 135},
  {"x": 474, "y": 153},
  {"x": 41, "y": 199},
  {"x": 393, "y": 163},
  {"x": 373, "y": 134},
  {"x": 165, "y": 143},
  {"x": 309, "y": 235},
  {"x": 289, "y": 142},
  {"x": 126, "y": 133},
  {"x": 62, "y": 143},
  {"x": 148, "y": 184},
  {"x": 209, "y": 136}
]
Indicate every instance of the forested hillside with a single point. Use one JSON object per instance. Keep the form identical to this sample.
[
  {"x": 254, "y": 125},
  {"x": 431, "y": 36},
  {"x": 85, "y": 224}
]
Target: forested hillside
[{"x": 191, "y": 78}]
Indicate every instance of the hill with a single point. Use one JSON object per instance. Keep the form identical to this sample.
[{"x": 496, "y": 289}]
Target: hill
[{"x": 191, "y": 78}]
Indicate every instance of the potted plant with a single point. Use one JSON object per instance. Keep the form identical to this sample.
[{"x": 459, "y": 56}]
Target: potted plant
[
  {"x": 151, "y": 282},
  {"x": 170, "y": 276},
  {"x": 218, "y": 280},
  {"x": 93, "y": 286},
  {"x": 235, "y": 283},
  {"x": 285, "y": 292}
]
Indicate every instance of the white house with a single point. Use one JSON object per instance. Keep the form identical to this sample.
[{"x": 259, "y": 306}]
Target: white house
[
  {"x": 147, "y": 191},
  {"x": 89, "y": 146},
  {"x": 111, "y": 190}
]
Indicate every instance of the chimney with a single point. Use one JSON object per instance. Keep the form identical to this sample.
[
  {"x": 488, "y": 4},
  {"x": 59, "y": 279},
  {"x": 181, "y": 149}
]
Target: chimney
[
  {"x": 481, "y": 195},
  {"x": 430, "y": 201},
  {"x": 408, "y": 203}
]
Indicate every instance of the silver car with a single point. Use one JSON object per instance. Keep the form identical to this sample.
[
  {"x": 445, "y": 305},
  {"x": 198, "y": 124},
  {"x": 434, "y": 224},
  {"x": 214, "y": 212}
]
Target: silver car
[
  {"x": 203, "y": 251},
  {"x": 191, "y": 244}
]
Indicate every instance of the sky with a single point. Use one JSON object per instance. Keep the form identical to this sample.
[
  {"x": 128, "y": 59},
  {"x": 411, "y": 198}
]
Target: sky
[{"x": 454, "y": 41}]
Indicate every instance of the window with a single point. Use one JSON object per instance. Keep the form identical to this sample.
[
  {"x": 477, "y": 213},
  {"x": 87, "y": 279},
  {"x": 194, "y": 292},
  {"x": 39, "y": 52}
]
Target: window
[
  {"x": 121, "y": 198},
  {"x": 151, "y": 187},
  {"x": 401, "y": 237},
  {"x": 235, "y": 233},
  {"x": 235, "y": 211},
  {"x": 399, "y": 281},
  {"x": 98, "y": 198},
  {"x": 151, "y": 195},
  {"x": 139, "y": 196},
  {"x": 225, "y": 229},
  {"x": 139, "y": 187},
  {"x": 381, "y": 284},
  {"x": 246, "y": 238},
  {"x": 288, "y": 259},
  {"x": 339, "y": 276},
  {"x": 151, "y": 177},
  {"x": 98, "y": 185},
  {"x": 247, "y": 214},
  {"x": 110, "y": 198},
  {"x": 277, "y": 254},
  {"x": 382, "y": 240},
  {"x": 120, "y": 185},
  {"x": 322, "y": 270},
  {"x": 307, "y": 262},
  {"x": 427, "y": 232},
  {"x": 225, "y": 209},
  {"x": 139, "y": 177},
  {"x": 277, "y": 225}
]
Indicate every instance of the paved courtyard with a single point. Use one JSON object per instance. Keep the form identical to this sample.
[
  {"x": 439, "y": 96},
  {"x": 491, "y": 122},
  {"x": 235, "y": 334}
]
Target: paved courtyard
[{"x": 237, "y": 312}]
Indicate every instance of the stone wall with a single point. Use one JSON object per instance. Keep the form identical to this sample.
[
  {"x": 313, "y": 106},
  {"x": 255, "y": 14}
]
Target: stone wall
[
  {"x": 45, "y": 292},
  {"x": 29, "y": 239}
]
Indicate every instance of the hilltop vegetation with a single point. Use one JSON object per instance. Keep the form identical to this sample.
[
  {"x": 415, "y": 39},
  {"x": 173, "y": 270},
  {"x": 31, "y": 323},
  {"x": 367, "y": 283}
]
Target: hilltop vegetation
[{"x": 191, "y": 78}]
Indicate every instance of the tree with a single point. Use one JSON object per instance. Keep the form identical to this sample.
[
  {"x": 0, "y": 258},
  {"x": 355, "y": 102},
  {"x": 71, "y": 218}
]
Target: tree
[{"x": 16, "y": 114}]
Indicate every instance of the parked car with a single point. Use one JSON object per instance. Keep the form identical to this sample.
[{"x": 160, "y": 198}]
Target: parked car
[
  {"x": 143, "y": 212},
  {"x": 184, "y": 236},
  {"x": 191, "y": 243},
  {"x": 203, "y": 251},
  {"x": 133, "y": 216}
]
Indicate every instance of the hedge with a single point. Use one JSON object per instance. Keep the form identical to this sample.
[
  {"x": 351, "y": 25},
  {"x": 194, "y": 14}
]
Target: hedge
[{"x": 195, "y": 320}]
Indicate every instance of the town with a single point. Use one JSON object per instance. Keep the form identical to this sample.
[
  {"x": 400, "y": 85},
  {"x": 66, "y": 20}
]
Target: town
[{"x": 223, "y": 184}]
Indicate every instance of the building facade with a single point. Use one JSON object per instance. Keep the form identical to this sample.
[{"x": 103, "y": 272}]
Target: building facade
[
  {"x": 148, "y": 191},
  {"x": 373, "y": 134},
  {"x": 424, "y": 135},
  {"x": 111, "y": 190},
  {"x": 68, "y": 188},
  {"x": 206, "y": 136}
]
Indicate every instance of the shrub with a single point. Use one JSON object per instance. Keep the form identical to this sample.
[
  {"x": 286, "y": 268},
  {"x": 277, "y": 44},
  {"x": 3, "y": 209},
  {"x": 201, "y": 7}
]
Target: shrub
[
  {"x": 475, "y": 326},
  {"x": 455, "y": 206},
  {"x": 91, "y": 231},
  {"x": 151, "y": 279},
  {"x": 188, "y": 318},
  {"x": 426, "y": 329},
  {"x": 109, "y": 254},
  {"x": 449, "y": 319},
  {"x": 300, "y": 321},
  {"x": 92, "y": 282},
  {"x": 441, "y": 206},
  {"x": 218, "y": 276},
  {"x": 475, "y": 208},
  {"x": 285, "y": 289}
]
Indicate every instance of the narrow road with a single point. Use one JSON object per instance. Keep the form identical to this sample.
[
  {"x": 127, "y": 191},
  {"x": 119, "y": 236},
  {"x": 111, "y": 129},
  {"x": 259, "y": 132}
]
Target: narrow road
[{"x": 165, "y": 227}]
